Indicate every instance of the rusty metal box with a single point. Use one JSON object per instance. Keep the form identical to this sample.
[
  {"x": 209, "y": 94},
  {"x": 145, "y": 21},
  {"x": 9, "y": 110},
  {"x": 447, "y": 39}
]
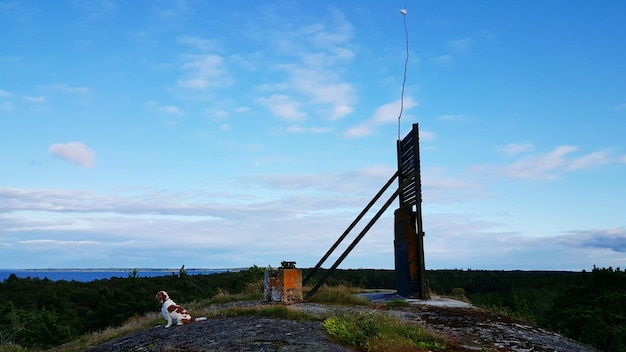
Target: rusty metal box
[{"x": 283, "y": 285}]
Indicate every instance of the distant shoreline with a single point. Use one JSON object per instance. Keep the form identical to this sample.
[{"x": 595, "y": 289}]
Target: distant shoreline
[
  {"x": 121, "y": 269},
  {"x": 92, "y": 274}
]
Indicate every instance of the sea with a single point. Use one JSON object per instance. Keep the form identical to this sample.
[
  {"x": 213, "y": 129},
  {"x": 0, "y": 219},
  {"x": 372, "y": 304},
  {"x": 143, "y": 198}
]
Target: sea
[{"x": 87, "y": 275}]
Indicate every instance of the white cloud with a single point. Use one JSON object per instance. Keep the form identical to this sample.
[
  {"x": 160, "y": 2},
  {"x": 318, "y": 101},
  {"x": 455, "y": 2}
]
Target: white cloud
[
  {"x": 442, "y": 59},
  {"x": 341, "y": 32},
  {"x": 220, "y": 114},
  {"x": 426, "y": 136},
  {"x": 198, "y": 43},
  {"x": 613, "y": 239},
  {"x": 69, "y": 89},
  {"x": 170, "y": 109},
  {"x": 517, "y": 148},
  {"x": 321, "y": 87},
  {"x": 205, "y": 71},
  {"x": 36, "y": 100},
  {"x": 358, "y": 131},
  {"x": 6, "y": 106},
  {"x": 452, "y": 117},
  {"x": 619, "y": 107},
  {"x": 318, "y": 52},
  {"x": 384, "y": 114},
  {"x": 439, "y": 188},
  {"x": 339, "y": 111},
  {"x": 300, "y": 129},
  {"x": 4, "y": 94},
  {"x": 389, "y": 112},
  {"x": 283, "y": 106},
  {"x": 488, "y": 248},
  {"x": 74, "y": 152},
  {"x": 460, "y": 45},
  {"x": 166, "y": 109},
  {"x": 589, "y": 161},
  {"x": 548, "y": 166},
  {"x": 131, "y": 226}
]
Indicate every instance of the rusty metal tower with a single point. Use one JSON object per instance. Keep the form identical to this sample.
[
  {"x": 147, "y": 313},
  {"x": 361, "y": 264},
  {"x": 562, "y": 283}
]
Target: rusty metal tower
[{"x": 408, "y": 232}]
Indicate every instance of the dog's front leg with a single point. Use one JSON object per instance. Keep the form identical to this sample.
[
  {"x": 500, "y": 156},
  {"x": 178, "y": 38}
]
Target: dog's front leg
[{"x": 167, "y": 317}]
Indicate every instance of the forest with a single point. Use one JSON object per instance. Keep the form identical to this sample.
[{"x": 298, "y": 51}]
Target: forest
[{"x": 589, "y": 307}]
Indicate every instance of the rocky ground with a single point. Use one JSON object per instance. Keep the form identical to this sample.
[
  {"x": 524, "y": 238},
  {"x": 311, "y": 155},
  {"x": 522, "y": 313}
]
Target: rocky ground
[
  {"x": 243, "y": 333},
  {"x": 465, "y": 328},
  {"x": 474, "y": 329}
]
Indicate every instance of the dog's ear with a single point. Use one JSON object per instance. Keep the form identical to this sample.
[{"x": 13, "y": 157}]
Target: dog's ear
[{"x": 161, "y": 296}]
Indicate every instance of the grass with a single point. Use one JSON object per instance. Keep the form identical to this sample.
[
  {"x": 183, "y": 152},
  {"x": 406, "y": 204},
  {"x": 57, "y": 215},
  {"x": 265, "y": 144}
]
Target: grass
[
  {"x": 252, "y": 292},
  {"x": 134, "y": 324},
  {"x": 338, "y": 295},
  {"x": 269, "y": 311},
  {"x": 398, "y": 303},
  {"x": 10, "y": 347},
  {"x": 381, "y": 332}
]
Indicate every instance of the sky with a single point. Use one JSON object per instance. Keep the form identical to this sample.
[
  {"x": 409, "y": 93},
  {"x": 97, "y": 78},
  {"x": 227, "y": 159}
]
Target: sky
[{"x": 223, "y": 134}]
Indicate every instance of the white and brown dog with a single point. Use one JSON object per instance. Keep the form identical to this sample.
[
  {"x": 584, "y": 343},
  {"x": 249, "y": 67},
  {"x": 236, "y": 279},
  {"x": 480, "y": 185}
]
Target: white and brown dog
[{"x": 174, "y": 312}]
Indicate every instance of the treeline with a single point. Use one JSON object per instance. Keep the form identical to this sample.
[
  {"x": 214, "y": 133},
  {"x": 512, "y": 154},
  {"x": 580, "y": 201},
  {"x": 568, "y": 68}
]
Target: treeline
[
  {"x": 589, "y": 307},
  {"x": 40, "y": 313}
]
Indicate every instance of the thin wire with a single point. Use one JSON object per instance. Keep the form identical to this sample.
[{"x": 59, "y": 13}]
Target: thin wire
[{"x": 406, "y": 64}]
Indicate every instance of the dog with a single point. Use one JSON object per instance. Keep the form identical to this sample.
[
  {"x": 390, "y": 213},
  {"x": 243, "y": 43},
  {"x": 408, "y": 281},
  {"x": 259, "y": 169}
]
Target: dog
[{"x": 173, "y": 312}]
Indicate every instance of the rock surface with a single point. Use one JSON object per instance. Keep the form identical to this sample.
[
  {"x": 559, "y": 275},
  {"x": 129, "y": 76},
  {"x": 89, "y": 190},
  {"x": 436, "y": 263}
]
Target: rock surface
[
  {"x": 463, "y": 326},
  {"x": 244, "y": 333}
]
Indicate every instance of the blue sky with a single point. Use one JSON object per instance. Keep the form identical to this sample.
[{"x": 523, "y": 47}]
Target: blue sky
[{"x": 229, "y": 134}]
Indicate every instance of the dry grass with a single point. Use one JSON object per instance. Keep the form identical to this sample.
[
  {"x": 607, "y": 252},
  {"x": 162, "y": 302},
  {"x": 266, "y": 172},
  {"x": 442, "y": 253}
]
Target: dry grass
[
  {"x": 11, "y": 347},
  {"x": 338, "y": 295},
  {"x": 252, "y": 292},
  {"x": 133, "y": 325}
]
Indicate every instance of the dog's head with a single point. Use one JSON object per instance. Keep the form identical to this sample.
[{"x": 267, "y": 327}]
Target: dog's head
[{"x": 162, "y": 296}]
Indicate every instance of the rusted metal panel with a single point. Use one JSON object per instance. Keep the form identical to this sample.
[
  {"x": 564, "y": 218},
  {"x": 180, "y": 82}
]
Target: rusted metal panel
[
  {"x": 407, "y": 258},
  {"x": 283, "y": 285},
  {"x": 409, "y": 168},
  {"x": 409, "y": 232}
]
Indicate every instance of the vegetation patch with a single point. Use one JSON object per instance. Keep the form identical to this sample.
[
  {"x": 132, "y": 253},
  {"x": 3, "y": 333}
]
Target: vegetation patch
[
  {"x": 252, "y": 292},
  {"x": 11, "y": 347},
  {"x": 381, "y": 332},
  {"x": 338, "y": 295},
  {"x": 268, "y": 311},
  {"x": 398, "y": 303}
]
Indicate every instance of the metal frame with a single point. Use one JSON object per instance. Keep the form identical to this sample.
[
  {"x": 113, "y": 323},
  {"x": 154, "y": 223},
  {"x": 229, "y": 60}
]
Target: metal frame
[{"x": 409, "y": 193}]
